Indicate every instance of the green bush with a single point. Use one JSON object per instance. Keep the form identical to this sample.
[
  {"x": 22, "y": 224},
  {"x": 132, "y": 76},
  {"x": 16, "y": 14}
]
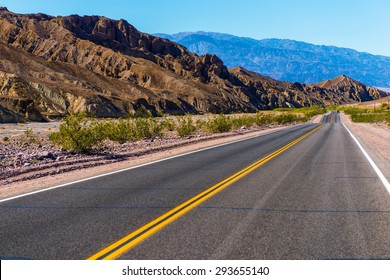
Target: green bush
[
  {"x": 243, "y": 121},
  {"x": 81, "y": 134},
  {"x": 370, "y": 117},
  {"x": 263, "y": 119},
  {"x": 301, "y": 114},
  {"x": 366, "y": 115},
  {"x": 30, "y": 137},
  {"x": 168, "y": 124},
  {"x": 385, "y": 106},
  {"x": 77, "y": 133},
  {"x": 120, "y": 131},
  {"x": 186, "y": 126},
  {"x": 201, "y": 124},
  {"x": 147, "y": 128},
  {"x": 286, "y": 118},
  {"x": 125, "y": 130},
  {"x": 221, "y": 123}
]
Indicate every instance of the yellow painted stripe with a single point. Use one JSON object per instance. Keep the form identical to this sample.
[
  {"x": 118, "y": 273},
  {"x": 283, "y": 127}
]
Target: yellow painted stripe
[
  {"x": 331, "y": 119},
  {"x": 123, "y": 245}
]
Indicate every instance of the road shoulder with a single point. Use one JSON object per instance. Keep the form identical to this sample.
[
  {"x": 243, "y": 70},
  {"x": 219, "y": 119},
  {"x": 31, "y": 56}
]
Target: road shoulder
[{"x": 375, "y": 139}]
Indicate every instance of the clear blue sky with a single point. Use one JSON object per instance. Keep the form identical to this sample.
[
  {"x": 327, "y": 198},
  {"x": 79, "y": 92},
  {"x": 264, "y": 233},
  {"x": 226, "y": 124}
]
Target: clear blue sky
[{"x": 363, "y": 25}]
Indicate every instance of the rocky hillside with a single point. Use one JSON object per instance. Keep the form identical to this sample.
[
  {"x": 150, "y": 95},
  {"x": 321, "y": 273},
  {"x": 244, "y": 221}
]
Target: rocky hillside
[
  {"x": 276, "y": 94},
  {"x": 351, "y": 89},
  {"x": 287, "y": 59},
  {"x": 52, "y": 65}
]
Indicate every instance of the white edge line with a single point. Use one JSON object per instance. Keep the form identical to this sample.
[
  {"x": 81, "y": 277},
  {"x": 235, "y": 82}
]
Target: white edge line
[
  {"x": 134, "y": 167},
  {"x": 374, "y": 166}
]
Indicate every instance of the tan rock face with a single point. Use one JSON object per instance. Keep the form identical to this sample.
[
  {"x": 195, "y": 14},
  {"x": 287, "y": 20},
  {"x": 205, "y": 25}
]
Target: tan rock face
[
  {"x": 53, "y": 65},
  {"x": 352, "y": 89}
]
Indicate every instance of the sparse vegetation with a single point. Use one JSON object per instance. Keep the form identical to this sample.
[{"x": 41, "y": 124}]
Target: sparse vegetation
[
  {"x": 78, "y": 133},
  {"x": 121, "y": 131},
  {"x": 186, "y": 126},
  {"x": 30, "y": 137},
  {"x": 147, "y": 128},
  {"x": 5, "y": 138},
  {"x": 224, "y": 123},
  {"x": 221, "y": 123},
  {"x": 367, "y": 115},
  {"x": 305, "y": 112},
  {"x": 168, "y": 124},
  {"x": 81, "y": 134},
  {"x": 385, "y": 106}
]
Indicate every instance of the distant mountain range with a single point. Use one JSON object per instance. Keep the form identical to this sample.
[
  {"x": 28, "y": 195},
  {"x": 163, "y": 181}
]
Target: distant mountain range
[
  {"x": 288, "y": 60},
  {"x": 50, "y": 66}
]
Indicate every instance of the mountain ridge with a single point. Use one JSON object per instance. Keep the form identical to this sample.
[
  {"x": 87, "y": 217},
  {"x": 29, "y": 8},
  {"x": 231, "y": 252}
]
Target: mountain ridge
[{"x": 283, "y": 58}]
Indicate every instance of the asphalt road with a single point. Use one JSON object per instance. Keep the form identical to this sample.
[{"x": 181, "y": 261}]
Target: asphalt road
[{"x": 318, "y": 199}]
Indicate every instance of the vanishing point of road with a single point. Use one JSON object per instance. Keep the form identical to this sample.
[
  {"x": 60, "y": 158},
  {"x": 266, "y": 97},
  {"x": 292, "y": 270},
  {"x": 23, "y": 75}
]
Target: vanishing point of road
[{"x": 304, "y": 192}]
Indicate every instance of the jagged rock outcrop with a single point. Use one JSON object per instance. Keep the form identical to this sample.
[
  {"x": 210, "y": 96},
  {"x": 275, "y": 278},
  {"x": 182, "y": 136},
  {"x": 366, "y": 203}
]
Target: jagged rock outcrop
[
  {"x": 276, "y": 94},
  {"x": 52, "y": 65},
  {"x": 351, "y": 89}
]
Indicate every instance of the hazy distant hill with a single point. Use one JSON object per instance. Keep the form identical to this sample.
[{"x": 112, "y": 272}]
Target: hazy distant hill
[{"x": 289, "y": 60}]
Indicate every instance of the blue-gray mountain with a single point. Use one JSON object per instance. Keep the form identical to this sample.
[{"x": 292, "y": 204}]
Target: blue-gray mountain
[{"x": 289, "y": 60}]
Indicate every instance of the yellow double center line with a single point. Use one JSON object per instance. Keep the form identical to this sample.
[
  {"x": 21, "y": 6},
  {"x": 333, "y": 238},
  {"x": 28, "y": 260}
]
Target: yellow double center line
[{"x": 123, "y": 245}]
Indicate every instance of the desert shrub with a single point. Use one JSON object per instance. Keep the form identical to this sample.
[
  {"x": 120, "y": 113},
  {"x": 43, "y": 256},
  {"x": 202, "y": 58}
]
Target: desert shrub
[
  {"x": 311, "y": 112},
  {"x": 147, "y": 128},
  {"x": 200, "y": 124},
  {"x": 141, "y": 128},
  {"x": 354, "y": 110},
  {"x": 77, "y": 133},
  {"x": 125, "y": 130},
  {"x": 221, "y": 123},
  {"x": 5, "y": 138},
  {"x": 243, "y": 121},
  {"x": 155, "y": 128},
  {"x": 370, "y": 117},
  {"x": 285, "y": 118},
  {"x": 263, "y": 119},
  {"x": 120, "y": 131},
  {"x": 302, "y": 114},
  {"x": 367, "y": 115},
  {"x": 385, "y": 106},
  {"x": 168, "y": 124},
  {"x": 186, "y": 126},
  {"x": 29, "y": 136}
]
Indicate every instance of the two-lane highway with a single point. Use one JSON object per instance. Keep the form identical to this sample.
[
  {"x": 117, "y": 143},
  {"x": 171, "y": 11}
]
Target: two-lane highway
[{"x": 306, "y": 192}]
